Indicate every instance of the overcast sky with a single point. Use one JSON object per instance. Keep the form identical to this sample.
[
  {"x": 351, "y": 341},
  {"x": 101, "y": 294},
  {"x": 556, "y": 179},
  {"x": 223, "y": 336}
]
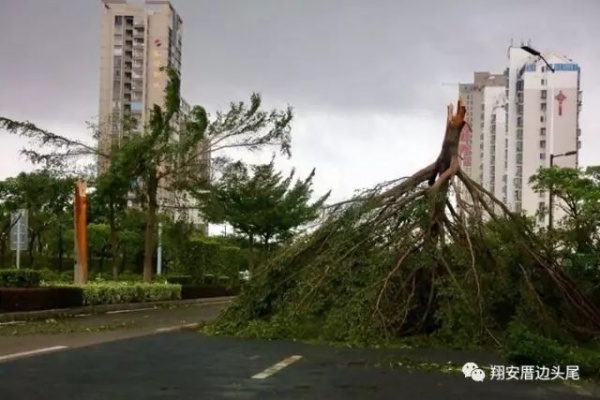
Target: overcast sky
[{"x": 364, "y": 77}]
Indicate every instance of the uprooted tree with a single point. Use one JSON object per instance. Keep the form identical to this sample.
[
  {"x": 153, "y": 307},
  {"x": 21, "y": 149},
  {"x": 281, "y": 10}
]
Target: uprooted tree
[{"x": 434, "y": 252}]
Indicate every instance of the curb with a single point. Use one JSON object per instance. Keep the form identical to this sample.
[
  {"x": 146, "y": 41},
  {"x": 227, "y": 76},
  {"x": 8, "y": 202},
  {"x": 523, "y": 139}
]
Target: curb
[{"x": 102, "y": 309}]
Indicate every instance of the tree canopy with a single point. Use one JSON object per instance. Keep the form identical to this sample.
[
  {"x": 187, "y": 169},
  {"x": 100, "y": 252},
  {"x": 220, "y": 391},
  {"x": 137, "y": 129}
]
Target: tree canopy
[
  {"x": 260, "y": 202},
  {"x": 171, "y": 152}
]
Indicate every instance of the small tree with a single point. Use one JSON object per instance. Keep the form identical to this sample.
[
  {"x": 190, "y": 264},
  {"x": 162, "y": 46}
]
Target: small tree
[
  {"x": 263, "y": 204},
  {"x": 578, "y": 195},
  {"x": 47, "y": 198}
]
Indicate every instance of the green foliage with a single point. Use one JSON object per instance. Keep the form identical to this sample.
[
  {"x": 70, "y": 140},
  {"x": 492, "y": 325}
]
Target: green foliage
[
  {"x": 180, "y": 279},
  {"x": 49, "y": 275},
  {"x": 20, "y": 278},
  {"x": 173, "y": 152},
  {"x": 204, "y": 256},
  {"x": 339, "y": 283},
  {"x": 97, "y": 293},
  {"x": 524, "y": 346},
  {"x": 577, "y": 192},
  {"x": 263, "y": 205},
  {"x": 47, "y": 199}
]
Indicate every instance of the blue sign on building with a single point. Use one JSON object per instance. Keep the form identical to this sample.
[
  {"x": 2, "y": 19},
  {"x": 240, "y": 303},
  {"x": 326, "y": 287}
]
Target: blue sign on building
[{"x": 556, "y": 67}]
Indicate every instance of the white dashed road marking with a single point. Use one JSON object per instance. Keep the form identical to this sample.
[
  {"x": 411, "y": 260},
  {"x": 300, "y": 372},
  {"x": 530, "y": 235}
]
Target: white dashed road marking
[
  {"x": 32, "y": 352},
  {"x": 12, "y": 323},
  {"x": 176, "y": 328},
  {"x": 277, "y": 367},
  {"x": 130, "y": 311}
]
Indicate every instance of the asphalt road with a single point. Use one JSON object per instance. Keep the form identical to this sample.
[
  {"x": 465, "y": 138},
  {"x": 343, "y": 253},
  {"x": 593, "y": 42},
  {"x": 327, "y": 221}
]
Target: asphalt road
[
  {"x": 185, "y": 365},
  {"x": 93, "y": 329}
]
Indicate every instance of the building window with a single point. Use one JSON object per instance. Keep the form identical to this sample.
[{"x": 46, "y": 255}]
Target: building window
[
  {"x": 543, "y": 106},
  {"x": 543, "y": 82},
  {"x": 542, "y": 119},
  {"x": 542, "y": 144},
  {"x": 118, "y": 20},
  {"x": 544, "y": 94},
  {"x": 542, "y": 156},
  {"x": 543, "y": 68},
  {"x": 542, "y": 131}
]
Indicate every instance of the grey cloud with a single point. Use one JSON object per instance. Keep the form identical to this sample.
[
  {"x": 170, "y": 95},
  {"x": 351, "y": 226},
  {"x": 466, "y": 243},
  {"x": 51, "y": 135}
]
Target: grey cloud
[
  {"x": 316, "y": 54},
  {"x": 342, "y": 57}
]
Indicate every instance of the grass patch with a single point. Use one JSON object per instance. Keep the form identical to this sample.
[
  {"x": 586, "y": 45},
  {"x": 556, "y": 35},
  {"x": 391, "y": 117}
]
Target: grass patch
[{"x": 56, "y": 327}]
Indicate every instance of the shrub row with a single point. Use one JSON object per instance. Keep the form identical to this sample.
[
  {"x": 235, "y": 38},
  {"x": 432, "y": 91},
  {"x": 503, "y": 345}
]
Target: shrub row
[
  {"x": 20, "y": 278},
  {"x": 60, "y": 295},
  {"x": 97, "y": 293}
]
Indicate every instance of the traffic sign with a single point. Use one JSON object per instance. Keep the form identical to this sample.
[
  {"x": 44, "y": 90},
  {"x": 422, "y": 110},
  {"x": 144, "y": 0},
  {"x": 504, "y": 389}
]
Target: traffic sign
[{"x": 19, "y": 222}]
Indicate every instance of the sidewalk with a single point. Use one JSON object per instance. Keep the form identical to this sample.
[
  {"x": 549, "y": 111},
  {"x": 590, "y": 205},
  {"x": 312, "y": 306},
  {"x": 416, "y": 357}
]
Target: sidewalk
[{"x": 101, "y": 309}]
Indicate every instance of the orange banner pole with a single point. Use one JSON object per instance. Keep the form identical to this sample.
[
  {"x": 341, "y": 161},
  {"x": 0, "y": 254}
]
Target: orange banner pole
[{"x": 81, "y": 267}]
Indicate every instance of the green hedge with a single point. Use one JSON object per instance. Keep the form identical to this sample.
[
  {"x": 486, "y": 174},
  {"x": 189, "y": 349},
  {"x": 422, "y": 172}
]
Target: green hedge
[
  {"x": 98, "y": 293},
  {"x": 129, "y": 292},
  {"x": 20, "y": 278},
  {"x": 205, "y": 256}
]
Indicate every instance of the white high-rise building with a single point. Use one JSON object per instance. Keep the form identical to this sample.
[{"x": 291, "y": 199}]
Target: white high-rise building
[{"x": 535, "y": 115}]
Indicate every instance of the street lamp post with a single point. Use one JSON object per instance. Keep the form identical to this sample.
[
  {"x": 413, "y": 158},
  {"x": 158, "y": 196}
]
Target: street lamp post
[
  {"x": 159, "y": 250},
  {"x": 537, "y": 54},
  {"x": 551, "y": 199}
]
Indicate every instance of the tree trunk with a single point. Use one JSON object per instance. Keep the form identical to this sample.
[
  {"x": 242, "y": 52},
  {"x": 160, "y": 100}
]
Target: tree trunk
[
  {"x": 3, "y": 249},
  {"x": 114, "y": 242},
  {"x": 61, "y": 245},
  {"x": 123, "y": 261},
  {"x": 149, "y": 243},
  {"x": 150, "y": 227},
  {"x": 102, "y": 258},
  {"x": 30, "y": 249}
]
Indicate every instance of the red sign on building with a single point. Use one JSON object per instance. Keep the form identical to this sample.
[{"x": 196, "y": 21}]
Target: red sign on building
[{"x": 560, "y": 97}]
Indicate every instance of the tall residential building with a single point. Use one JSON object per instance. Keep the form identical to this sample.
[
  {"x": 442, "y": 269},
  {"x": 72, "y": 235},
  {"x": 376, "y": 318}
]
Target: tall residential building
[
  {"x": 137, "y": 41},
  {"x": 526, "y": 115},
  {"x": 476, "y": 95}
]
